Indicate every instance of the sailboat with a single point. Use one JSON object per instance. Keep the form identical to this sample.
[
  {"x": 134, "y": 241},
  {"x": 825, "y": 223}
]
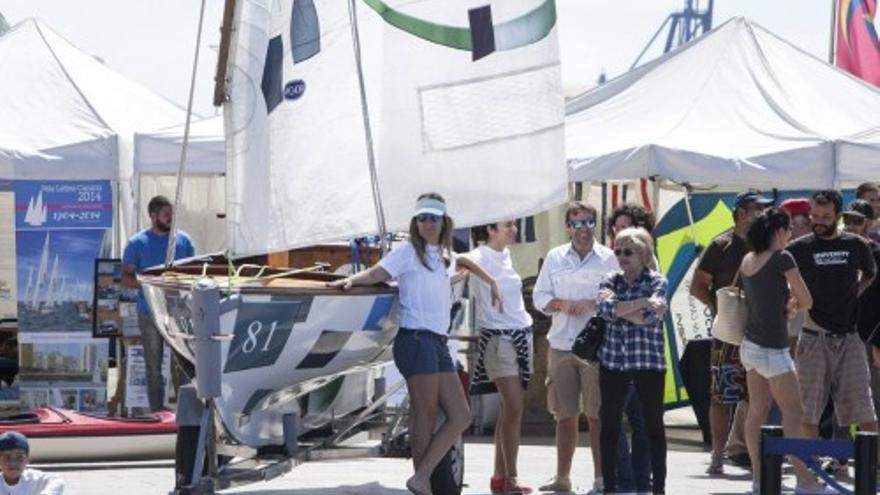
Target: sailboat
[
  {"x": 41, "y": 274},
  {"x": 337, "y": 115}
]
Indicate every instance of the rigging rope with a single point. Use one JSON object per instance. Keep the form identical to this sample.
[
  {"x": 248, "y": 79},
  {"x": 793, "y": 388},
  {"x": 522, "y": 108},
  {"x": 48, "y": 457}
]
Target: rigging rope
[{"x": 172, "y": 236}]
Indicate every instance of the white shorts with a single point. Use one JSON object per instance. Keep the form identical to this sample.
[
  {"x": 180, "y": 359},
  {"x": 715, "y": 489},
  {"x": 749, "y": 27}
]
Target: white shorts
[{"x": 768, "y": 362}]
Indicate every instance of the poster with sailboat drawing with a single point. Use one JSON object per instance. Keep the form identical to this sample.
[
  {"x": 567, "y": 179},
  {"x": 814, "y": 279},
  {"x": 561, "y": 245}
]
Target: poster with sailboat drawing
[
  {"x": 7, "y": 252},
  {"x": 61, "y": 228}
]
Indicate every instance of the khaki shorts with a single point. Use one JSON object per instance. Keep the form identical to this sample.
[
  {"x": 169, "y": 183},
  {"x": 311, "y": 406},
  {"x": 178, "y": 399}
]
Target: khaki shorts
[
  {"x": 572, "y": 386},
  {"x": 835, "y": 365},
  {"x": 500, "y": 358}
]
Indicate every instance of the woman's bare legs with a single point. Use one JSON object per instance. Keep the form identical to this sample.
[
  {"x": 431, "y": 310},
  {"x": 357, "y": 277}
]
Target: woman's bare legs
[{"x": 449, "y": 395}]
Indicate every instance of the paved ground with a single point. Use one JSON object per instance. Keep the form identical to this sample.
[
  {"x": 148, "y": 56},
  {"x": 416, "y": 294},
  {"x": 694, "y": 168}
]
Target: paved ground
[{"x": 386, "y": 476}]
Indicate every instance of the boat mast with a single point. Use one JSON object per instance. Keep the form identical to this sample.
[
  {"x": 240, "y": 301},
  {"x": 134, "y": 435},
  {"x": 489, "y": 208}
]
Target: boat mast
[
  {"x": 368, "y": 134},
  {"x": 223, "y": 56},
  {"x": 172, "y": 235}
]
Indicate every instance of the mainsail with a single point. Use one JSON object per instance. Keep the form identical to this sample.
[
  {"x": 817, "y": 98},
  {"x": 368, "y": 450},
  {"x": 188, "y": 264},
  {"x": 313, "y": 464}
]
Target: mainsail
[
  {"x": 41, "y": 274},
  {"x": 464, "y": 98}
]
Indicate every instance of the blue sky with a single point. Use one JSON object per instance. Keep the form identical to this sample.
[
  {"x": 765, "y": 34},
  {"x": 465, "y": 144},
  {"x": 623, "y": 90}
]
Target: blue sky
[{"x": 152, "y": 42}]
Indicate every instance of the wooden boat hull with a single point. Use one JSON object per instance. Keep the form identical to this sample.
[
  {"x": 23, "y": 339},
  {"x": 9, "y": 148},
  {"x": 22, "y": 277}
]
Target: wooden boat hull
[{"x": 287, "y": 337}]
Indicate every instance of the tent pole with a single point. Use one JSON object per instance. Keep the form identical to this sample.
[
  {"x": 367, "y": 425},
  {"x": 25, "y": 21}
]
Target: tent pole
[
  {"x": 690, "y": 214},
  {"x": 832, "y": 42}
]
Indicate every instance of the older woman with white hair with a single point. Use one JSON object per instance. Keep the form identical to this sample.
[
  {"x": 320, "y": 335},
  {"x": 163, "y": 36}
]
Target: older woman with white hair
[{"x": 632, "y": 301}]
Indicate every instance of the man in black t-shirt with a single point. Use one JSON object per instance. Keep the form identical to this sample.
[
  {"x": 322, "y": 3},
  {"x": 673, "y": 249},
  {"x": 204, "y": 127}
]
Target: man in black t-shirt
[
  {"x": 831, "y": 357},
  {"x": 717, "y": 268}
]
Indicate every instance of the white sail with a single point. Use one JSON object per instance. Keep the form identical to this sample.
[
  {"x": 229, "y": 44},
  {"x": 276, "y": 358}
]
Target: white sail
[
  {"x": 51, "y": 295},
  {"x": 464, "y": 99},
  {"x": 30, "y": 283},
  {"x": 41, "y": 273}
]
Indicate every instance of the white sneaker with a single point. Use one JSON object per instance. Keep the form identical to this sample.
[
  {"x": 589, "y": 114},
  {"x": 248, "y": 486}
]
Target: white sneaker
[{"x": 598, "y": 488}]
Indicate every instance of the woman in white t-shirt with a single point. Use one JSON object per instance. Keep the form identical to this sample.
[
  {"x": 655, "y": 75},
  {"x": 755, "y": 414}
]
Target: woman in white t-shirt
[
  {"x": 505, "y": 349},
  {"x": 423, "y": 267}
]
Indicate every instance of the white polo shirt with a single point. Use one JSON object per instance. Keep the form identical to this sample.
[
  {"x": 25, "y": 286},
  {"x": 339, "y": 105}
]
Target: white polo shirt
[
  {"x": 564, "y": 275},
  {"x": 425, "y": 295},
  {"x": 499, "y": 265},
  {"x": 33, "y": 482}
]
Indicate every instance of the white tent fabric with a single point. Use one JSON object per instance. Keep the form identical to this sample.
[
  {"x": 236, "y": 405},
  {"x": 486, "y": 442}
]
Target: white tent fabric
[
  {"x": 860, "y": 155},
  {"x": 66, "y": 115},
  {"x": 738, "y": 107},
  {"x": 203, "y": 200},
  {"x": 158, "y": 152}
]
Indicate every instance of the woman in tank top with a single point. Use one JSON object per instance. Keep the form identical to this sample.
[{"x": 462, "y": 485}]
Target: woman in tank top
[{"x": 770, "y": 277}]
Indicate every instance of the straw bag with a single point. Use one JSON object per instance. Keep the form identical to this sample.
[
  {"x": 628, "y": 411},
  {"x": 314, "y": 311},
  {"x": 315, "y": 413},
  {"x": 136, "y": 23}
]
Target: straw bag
[{"x": 733, "y": 312}]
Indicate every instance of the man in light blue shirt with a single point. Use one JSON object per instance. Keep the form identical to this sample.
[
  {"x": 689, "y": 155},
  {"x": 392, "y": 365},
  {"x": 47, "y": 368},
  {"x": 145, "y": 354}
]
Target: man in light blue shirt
[{"x": 146, "y": 249}]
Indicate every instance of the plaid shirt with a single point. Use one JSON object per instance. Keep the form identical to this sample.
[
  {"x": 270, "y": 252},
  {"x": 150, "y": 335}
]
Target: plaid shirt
[{"x": 628, "y": 346}]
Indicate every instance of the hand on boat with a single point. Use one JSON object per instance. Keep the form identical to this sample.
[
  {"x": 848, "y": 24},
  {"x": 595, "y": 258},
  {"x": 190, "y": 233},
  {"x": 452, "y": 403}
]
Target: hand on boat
[{"x": 343, "y": 283}]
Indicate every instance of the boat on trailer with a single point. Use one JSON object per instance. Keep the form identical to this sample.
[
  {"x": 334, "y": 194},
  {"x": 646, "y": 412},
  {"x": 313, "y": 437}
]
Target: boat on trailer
[
  {"x": 465, "y": 99},
  {"x": 289, "y": 335}
]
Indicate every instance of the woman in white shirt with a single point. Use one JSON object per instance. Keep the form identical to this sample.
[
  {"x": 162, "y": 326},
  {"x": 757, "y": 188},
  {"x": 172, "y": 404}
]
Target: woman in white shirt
[
  {"x": 505, "y": 350},
  {"x": 423, "y": 267}
]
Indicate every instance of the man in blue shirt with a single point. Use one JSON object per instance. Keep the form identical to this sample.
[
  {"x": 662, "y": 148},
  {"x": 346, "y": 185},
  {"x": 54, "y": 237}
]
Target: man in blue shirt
[{"x": 146, "y": 249}]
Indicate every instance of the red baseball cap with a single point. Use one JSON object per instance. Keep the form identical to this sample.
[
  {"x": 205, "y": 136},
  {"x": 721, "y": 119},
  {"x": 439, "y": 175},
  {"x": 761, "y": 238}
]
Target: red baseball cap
[{"x": 796, "y": 206}]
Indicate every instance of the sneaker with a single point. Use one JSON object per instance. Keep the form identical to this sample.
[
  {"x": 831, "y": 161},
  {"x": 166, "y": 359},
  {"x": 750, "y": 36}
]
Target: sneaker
[
  {"x": 496, "y": 484},
  {"x": 598, "y": 487},
  {"x": 556, "y": 484},
  {"x": 741, "y": 459},
  {"x": 512, "y": 487}
]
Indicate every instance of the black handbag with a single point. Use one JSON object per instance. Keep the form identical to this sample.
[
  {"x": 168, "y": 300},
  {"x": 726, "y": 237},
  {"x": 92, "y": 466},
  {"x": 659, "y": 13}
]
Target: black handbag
[{"x": 586, "y": 345}]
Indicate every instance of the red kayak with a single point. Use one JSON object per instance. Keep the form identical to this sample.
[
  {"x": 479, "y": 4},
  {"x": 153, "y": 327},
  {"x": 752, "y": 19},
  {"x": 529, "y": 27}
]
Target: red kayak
[{"x": 61, "y": 435}]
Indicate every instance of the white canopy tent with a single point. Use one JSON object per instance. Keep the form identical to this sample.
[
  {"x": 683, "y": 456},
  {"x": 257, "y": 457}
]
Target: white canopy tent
[
  {"x": 203, "y": 199},
  {"x": 66, "y": 115},
  {"x": 738, "y": 107}
]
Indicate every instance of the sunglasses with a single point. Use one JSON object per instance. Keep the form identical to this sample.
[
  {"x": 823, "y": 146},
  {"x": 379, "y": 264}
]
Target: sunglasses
[
  {"x": 623, "y": 252},
  {"x": 582, "y": 224},
  {"x": 849, "y": 220},
  {"x": 427, "y": 217}
]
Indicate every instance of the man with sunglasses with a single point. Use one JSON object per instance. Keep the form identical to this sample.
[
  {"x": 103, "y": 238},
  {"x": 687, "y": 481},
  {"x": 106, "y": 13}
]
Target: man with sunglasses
[
  {"x": 566, "y": 289},
  {"x": 716, "y": 269}
]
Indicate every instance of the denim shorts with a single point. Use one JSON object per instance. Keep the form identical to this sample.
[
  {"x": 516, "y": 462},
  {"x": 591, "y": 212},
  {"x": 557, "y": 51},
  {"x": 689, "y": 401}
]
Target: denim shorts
[
  {"x": 421, "y": 352},
  {"x": 768, "y": 362}
]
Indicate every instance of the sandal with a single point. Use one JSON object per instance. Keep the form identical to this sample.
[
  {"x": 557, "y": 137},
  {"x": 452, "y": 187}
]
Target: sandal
[{"x": 716, "y": 467}]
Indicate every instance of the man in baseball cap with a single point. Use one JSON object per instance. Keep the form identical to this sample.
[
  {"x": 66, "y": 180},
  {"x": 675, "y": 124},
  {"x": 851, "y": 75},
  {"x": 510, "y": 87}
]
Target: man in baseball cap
[
  {"x": 799, "y": 210},
  {"x": 17, "y": 478}
]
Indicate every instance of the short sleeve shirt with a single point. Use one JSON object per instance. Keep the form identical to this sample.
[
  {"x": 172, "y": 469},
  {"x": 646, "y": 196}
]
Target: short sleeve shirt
[
  {"x": 148, "y": 249},
  {"x": 767, "y": 293},
  {"x": 722, "y": 259},
  {"x": 425, "y": 292},
  {"x": 869, "y": 304},
  {"x": 831, "y": 269},
  {"x": 500, "y": 266}
]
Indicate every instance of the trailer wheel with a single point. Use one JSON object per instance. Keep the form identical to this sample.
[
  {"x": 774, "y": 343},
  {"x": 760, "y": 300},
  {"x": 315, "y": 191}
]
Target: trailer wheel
[{"x": 448, "y": 476}]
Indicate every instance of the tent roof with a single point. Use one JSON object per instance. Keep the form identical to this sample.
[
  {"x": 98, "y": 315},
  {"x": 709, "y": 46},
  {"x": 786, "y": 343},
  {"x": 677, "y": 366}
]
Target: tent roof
[
  {"x": 63, "y": 109},
  {"x": 158, "y": 152},
  {"x": 737, "y": 107}
]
